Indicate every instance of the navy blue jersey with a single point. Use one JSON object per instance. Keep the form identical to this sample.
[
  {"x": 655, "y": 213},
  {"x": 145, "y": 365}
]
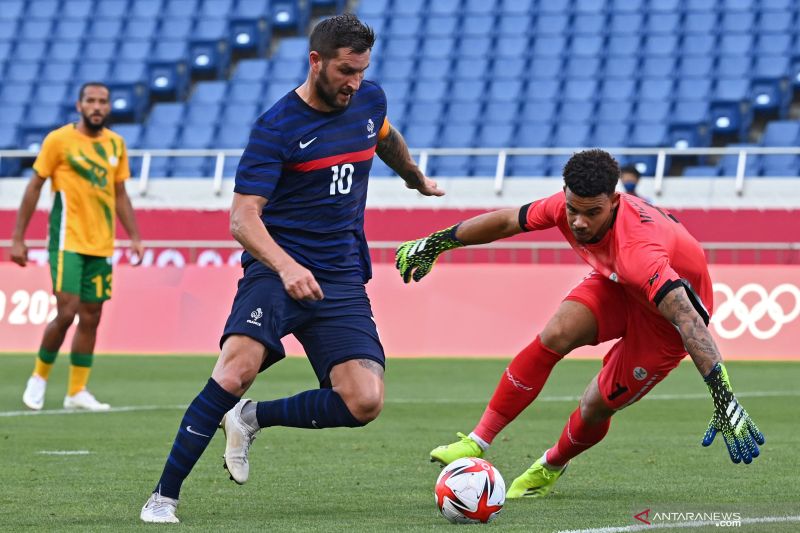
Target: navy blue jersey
[{"x": 313, "y": 168}]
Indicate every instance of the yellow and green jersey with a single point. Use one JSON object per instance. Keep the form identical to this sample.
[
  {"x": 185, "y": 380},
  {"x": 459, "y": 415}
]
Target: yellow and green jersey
[{"x": 84, "y": 171}]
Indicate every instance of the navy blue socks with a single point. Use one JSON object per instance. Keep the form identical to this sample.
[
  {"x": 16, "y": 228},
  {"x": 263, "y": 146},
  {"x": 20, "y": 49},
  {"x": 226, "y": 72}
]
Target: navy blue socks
[
  {"x": 197, "y": 427},
  {"x": 312, "y": 409}
]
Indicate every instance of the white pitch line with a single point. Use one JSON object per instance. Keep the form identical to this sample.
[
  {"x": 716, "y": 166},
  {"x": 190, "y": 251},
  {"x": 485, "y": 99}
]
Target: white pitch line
[
  {"x": 668, "y": 525},
  {"x": 575, "y": 398},
  {"x": 63, "y": 452},
  {"x": 654, "y": 397},
  {"x": 125, "y": 409}
]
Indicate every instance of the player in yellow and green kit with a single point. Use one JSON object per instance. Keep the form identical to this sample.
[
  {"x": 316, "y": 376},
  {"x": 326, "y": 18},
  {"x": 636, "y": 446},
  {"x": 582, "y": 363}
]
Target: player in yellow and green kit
[{"x": 88, "y": 165}]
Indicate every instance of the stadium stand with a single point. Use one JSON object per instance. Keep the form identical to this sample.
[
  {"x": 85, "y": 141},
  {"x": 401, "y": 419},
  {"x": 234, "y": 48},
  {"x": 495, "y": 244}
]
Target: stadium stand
[{"x": 457, "y": 73}]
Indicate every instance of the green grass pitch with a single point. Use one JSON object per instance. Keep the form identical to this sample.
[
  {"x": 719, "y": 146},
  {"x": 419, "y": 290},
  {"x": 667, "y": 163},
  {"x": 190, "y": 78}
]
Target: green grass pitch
[{"x": 378, "y": 478}]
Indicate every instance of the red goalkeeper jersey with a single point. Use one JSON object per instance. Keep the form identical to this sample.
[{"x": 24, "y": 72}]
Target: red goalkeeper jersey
[{"x": 647, "y": 251}]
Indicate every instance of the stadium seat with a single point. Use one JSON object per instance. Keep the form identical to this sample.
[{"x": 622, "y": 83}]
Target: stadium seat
[
  {"x": 689, "y": 89},
  {"x": 544, "y": 46},
  {"x": 663, "y": 23},
  {"x": 695, "y": 67},
  {"x": 70, "y": 29},
  {"x": 660, "y": 45},
  {"x": 12, "y": 114},
  {"x": 51, "y": 93},
  {"x": 514, "y": 23},
  {"x": 501, "y": 112},
  {"x": 467, "y": 90},
  {"x": 12, "y": 9},
  {"x": 425, "y": 112},
  {"x": 587, "y": 25},
  {"x": 579, "y": 111},
  {"x": 77, "y": 9},
  {"x": 495, "y": 135},
  {"x": 197, "y": 136},
  {"x": 438, "y": 25},
  {"x": 774, "y": 22},
  {"x": 656, "y": 89},
  {"x": 610, "y": 135},
  {"x": 728, "y": 163},
  {"x": 543, "y": 90},
  {"x": 151, "y": 8},
  {"x": 140, "y": 29},
  {"x": 35, "y": 51},
  {"x": 132, "y": 133},
  {"x": 702, "y": 171},
  {"x": 572, "y": 135},
  {"x": 128, "y": 101},
  {"x": 658, "y": 66},
  {"x": 167, "y": 114},
  {"x": 93, "y": 71},
  {"x": 245, "y": 92},
  {"x": 534, "y": 135},
  {"x": 699, "y": 44},
  {"x": 541, "y": 112},
  {"x": 15, "y": 93},
  {"x": 582, "y": 67},
  {"x": 249, "y": 35},
  {"x": 619, "y": 111},
  {"x": 617, "y": 89},
  {"x": 457, "y": 135},
  {"x": 520, "y": 165},
  {"x": 134, "y": 51},
  {"x": 545, "y": 68},
  {"x": 587, "y": 46},
  {"x": 421, "y": 135},
  {"x": 23, "y": 72},
  {"x": 550, "y": 24},
  {"x": 780, "y": 165},
  {"x": 623, "y": 45},
  {"x": 99, "y": 51},
  {"x": 220, "y": 9},
  {"x": 231, "y": 136},
  {"x": 652, "y": 112},
  {"x": 236, "y": 113},
  {"x": 450, "y": 165},
  {"x": 177, "y": 28},
  {"x": 132, "y": 72},
  {"x": 436, "y": 69}
]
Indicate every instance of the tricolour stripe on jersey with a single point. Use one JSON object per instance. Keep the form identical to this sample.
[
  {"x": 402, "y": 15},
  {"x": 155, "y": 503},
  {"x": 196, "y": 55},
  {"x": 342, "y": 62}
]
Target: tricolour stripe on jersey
[{"x": 325, "y": 162}]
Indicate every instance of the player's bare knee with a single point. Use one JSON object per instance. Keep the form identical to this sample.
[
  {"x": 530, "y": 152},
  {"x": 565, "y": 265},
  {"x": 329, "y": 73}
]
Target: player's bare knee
[
  {"x": 65, "y": 317},
  {"x": 558, "y": 337},
  {"x": 89, "y": 318},
  {"x": 364, "y": 406}
]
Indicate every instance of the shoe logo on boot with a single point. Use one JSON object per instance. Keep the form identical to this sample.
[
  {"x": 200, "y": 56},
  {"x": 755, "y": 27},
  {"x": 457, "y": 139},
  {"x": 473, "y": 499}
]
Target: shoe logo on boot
[{"x": 193, "y": 432}]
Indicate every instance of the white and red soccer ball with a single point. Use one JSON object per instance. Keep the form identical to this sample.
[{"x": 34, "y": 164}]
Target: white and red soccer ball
[{"x": 470, "y": 491}]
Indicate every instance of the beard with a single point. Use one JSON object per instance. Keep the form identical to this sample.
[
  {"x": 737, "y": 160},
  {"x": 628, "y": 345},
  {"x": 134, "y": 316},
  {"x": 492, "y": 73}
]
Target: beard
[
  {"x": 92, "y": 126},
  {"x": 326, "y": 93}
]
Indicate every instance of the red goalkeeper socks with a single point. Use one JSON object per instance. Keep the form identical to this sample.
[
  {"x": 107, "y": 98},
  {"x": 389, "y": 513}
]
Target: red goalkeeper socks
[
  {"x": 520, "y": 385},
  {"x": 577, "y": 437}
]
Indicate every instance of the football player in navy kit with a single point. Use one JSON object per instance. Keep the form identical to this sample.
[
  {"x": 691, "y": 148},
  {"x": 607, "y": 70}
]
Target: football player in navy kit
[{"x": 298, "y": 210}]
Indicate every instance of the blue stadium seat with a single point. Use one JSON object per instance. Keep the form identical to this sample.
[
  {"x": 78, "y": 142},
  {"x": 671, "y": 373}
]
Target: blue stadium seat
[
  {"x": 429, "y": 91},
  {"x": 484, "y": 166},
  {"x": 440, "y": 25},
  {"x": 149, "y": 8},
  {"x": 545, "y": 46},
  {"x": 504, "y": 90},
  {"x": 578, "y": 111},
  {"x": 495, "y": 136},
  {"x": 735, "y": 44},
  {"x": 12, "y": 114},
  {"x": 774, "y": 22},
  {"x": 555, "y": 164},
  {"x": 105, "y": 29},
  {"x": 652, "y": 112},
  {"x": 467, "y": 90},
  {"x": 245, "y": 92},
  {"x": 292, "y": 48},
  {"x": 35, "y": 51},
  {"x": 128, "y": 101},
  {"x": 216, "y": 8},
  {"x": 555, "y": 6},
  {"x": 276, "y": 91},
  {"x": 621, "y": 22},
  {"x": 781, "y": 133},
  {"x": 474, "y": 46},
  {"x": 50, "y": 93},
  {"x": 253, "y": 70},
  {"x": 566, "y": 134},
  {"x": 648, "y": 134},
  {"x": 421, "y": 135},
  {"x": 437, "y": 69},
  {"x": 586, "y": 25},
  {"x": 235, "y": 113},
  {"x": 658, "y": 67},
  {"x": 290, "y": 15},
  {"x": 288, "y": 70},
  {"x": 197, "y": 136},
  {"x": 249, "y": 35},
  {"x": 23, "y": 72},
  {"x": 660, "y": 45},
  {"x": 587, "y": 46},
  {"x": 251, "y": 9},
  {"x": 408, "y": 26},
  {"x": 617, "y": 89},
  {"x": 132, "y": 133},
  {"x": 545, "y": 89},
  {"x": 475, "y": 26},
  {"x": 579, "y": 90},
  {"x": 695, "y": 67},
  {"x": 582, "y": 67},
  {"x": 167, "y": 114},
  {"x": 77, "y": 9},
  {"x": 438, "y": 47},
  {"x": 549, "y": 24},
  {"x": 688, "y": 136},
  {"x": 693, "y": 89},
  {"x": 191, "y": 167},
  {"x": 93, "y": 71},
  {"x": 209, "y": 54},
  {"x": 209, "y": 92},
  {"x": 780, "y": 165},
  {"x": 532, "y": 135},
  {"x": 451, "y": 165},
  {"x": 545, "y": 67},
  {"x": 175, "y": 28},
  {"x": 114, "y": 9},
  {"x": 737, "y": 22},
  {"x": 44, "y": 115},
  {"x": 426, "y": 112},
  {"x": 729, "y": 163},
  {"x": 457, "y": 135},
  {"x": 623, "y": 45},
  {"x": 12, "y": 9},
  {"x": 770, "y": 95},
  {"x": 701, "y": 171},
  {"x": 482, "y": 7},
  {"x": 657, "y": 89},
  {"x": 140, "y": 29},
  {"x": 690, "y": 112},
  {"x": 132, "y": 72},
  {"x": 502, "y": 112},
  {"x": 380, "y": 170},
  {"x": 619, "y": 111},
  {"x": 230, "y": 136},
  {"x": 738, "y": 5},
  {"x": 621, "y": 67},
  {"x": 31, "y": 29},
  {"x": 99, "y": 51},
  {"x": 663, "y": 24},
  {"x": 70, "y": 29},
  {"x": 31, "y": 137},
  {"x": 773, "y": 44},
  {"x": 134, "y": 51},
  {"x": 700, "y": 44},
  {"x": 520, "y": 165},
  {"x": 610, "y": 135},
  {"x": 541, "y": 112},
  {"x": 159, "y": 136},
  {"x": 517, "y": 7},
  {"x": 514, "y": 24},
  {"x": 512, "y": 68},
  {"x": 593, "y": 7},
  {"x": 15, "y": 93},
  {"x": 625, "y": 6},
  {"x": 463, "y": 112}
]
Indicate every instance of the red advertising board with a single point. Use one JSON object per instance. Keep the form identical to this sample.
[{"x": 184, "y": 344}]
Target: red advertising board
[{"x": 458, "y": 310}]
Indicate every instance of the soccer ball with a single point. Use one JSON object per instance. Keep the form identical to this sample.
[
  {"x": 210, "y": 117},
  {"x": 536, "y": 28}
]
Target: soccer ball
[{"x": 470, "y": 491}]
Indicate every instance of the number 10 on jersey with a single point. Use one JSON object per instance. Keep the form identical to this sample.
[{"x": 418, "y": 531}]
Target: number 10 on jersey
[{"x": 342, "y": 178}]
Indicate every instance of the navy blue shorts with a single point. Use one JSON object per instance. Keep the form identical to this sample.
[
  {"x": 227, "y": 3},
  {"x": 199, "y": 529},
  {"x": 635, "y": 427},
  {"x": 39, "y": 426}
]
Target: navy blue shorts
[{"x": 333, "y": 330}]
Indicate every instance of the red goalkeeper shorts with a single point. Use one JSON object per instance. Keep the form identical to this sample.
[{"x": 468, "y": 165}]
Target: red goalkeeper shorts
[{"x": 649, "y": 346}]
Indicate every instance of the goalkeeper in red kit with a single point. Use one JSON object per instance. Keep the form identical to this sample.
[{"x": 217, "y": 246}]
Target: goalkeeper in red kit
[{"x": 649, "y": 288}]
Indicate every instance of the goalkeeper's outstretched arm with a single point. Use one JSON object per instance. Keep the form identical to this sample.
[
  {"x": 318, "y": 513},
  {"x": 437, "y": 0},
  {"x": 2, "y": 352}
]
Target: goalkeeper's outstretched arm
[
  {"x": 414, "y": 259},
  {"x": 740, "y": 433}
]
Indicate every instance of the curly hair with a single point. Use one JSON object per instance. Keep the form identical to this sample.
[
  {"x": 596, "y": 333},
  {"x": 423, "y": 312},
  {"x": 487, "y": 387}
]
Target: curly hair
[
  {"x": 591, "y": 173},
  {"x": 341, "y": 31}
]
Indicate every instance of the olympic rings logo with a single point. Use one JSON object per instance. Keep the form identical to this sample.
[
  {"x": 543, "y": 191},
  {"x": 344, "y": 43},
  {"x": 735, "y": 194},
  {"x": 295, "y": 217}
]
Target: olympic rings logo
[{"x": 749, "y": 317}]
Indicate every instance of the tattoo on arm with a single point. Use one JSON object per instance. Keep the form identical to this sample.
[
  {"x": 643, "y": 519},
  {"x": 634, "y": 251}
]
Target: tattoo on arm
[
  {"x": 372, "y": 366},
  {"x": 678, "y": 309},
  {"x": 393, "y": 150}
]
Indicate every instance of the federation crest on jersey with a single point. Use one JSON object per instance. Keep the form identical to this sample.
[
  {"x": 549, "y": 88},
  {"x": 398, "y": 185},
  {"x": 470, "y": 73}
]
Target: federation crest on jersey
[
  {"x": 370, "y": 129},
  {"x": 255, "y": 316}
]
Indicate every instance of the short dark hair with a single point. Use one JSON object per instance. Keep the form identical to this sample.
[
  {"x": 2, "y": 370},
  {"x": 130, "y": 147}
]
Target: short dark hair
[
  {"x": 630, "y": 169},
  {"x": 591, "y": 173},
  {"x": 341, "y": 31},
  {"x": 92, "y": 84}
]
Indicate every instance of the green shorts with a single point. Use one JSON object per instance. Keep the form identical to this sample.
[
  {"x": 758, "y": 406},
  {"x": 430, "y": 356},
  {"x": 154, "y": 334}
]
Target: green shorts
[{"x": 88, "y": 276}]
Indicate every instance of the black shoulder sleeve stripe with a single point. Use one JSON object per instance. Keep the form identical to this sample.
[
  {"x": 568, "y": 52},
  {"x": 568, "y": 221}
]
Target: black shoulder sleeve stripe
[
  {"x": 523, "y": 216},
  {"x": 697, "y": 303}
]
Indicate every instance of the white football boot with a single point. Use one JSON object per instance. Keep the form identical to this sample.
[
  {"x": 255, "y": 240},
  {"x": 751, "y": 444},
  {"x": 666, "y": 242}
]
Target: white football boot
[
  {"x": 238, "y": 438},
  {"x": 33, "y": 397},
  {"x": 159, "y": 510},
  {"x": 84, "y": 400}
]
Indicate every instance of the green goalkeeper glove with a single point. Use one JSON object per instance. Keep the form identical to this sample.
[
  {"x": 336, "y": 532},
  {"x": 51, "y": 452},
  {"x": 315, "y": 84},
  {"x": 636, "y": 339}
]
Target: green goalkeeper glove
[
  {"x": 420, "y": 255},
  {"x": 741, "y": 434}
]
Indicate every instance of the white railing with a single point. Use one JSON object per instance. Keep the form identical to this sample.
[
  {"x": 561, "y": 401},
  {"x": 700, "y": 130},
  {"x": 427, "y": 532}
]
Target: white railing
[{"x": 424, "y": 154}]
